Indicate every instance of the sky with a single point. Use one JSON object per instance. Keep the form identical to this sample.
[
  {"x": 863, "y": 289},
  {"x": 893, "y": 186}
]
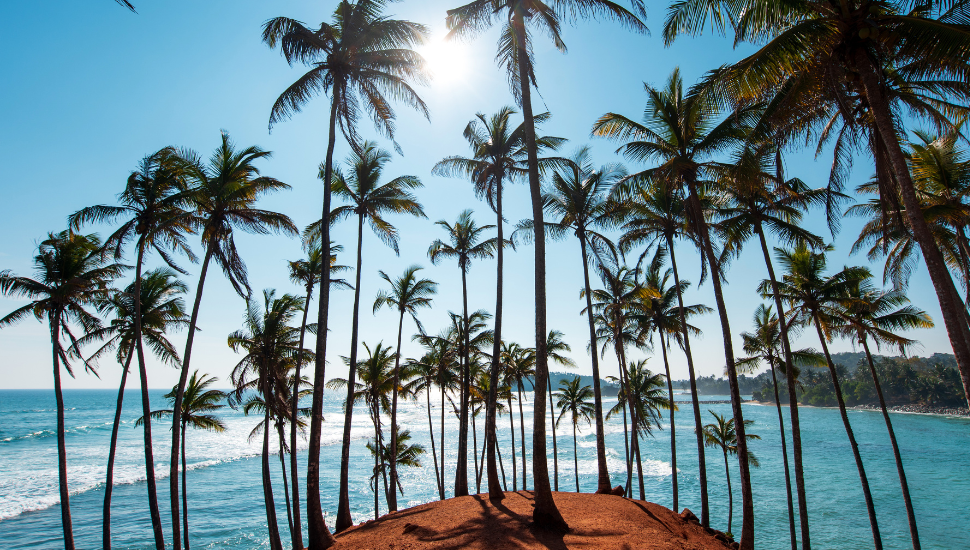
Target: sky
[{"x": 91, "y": 88}]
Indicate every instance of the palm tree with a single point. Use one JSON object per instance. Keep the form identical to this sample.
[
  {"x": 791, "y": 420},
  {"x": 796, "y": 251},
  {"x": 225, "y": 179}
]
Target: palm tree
[
  {"x": 723, "y": 435},
  {"x": 271, "y": 347},
  {"x": 407, "y": 295},
  {"x": 555, "y": 346},
  {"x": 886, "y": 56},
  {"x": 812, "y": 298},
  {"x": 358, "y": 60},
  {"x": 869, "y": 314},
  {"x": 225, "y": 193},
  {"x": 646, "y": 398},
  {"x": 162, "y": 310},
  {"x": 683, "y": 133},
  {"x": 427, "y": 372},
  {"x": 499, "y": 156},
  {"x": 574, "y": 400},
  {"x": 197, "y": 404},
  {"x": 519, "y": 365},
  {"x": 155, "y": 202},
  {"x": 515, "y": 55},
  {"x": 465, "y": 245},
  {"x": 408, "y": 454},
  {"x": 71, "y": 275},
  {"x": 370, "y": 200}
]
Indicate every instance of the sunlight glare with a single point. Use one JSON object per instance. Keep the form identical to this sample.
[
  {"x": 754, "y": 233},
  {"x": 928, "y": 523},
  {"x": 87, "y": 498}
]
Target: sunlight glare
[{"x": 446, "y": 60}]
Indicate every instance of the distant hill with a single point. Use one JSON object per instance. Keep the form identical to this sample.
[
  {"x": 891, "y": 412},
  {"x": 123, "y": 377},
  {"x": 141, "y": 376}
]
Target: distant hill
[
  {"x": 607, "y": 387},
  {"x": 851, "y": 359}
]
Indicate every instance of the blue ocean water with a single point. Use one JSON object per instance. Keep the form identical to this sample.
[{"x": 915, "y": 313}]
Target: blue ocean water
[{"x": 226, "y": 500}]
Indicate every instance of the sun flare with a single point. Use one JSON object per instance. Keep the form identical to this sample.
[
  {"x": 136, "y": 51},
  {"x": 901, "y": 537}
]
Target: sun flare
[{"x": 446, "y": 60}]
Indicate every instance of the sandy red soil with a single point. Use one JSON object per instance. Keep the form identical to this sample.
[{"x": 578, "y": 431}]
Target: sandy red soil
[{"x": 595, "y": 521}]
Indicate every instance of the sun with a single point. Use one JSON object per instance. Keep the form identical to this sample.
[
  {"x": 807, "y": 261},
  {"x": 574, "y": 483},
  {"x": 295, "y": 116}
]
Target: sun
[{"x": 446, "y": 60}]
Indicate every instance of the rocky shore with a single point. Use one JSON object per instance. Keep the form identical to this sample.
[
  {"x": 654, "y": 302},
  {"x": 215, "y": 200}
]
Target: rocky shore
[{"x": 914, "y": 408}]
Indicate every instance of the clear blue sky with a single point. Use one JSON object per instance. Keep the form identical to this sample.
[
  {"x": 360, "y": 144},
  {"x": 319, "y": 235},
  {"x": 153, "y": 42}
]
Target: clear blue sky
[{"x": 90, "y": 88}]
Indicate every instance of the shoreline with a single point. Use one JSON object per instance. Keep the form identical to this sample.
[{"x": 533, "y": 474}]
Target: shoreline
[{"x": 911, "y": 408}]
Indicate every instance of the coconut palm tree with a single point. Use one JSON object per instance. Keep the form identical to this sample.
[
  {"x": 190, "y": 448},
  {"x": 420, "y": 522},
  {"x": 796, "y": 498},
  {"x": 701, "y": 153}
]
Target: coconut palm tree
[
  {"x": 812, "y": 298},
  {"x": 359, "y": 60},
  {"x": 408, "y": 454},
  {"x": 515, "y": 55},
  {"x": 723, "y": 435},
  {"x": 271, "y": 347},
  {"x": 683, "y": 133},
  {"x": 499, "y": 157},
  {"x": 407, "y": 295},
  {"x": 156, "y": 206},
  {"x": 426, "y": 370},
  {"x": 226, "y": 189},
  {"x": 465, "y": 245},
  {"x": 574, "y": 400},
  {"x": 868, "y": 314},
  {"x": 162, "y": 311},
  {"x": 555, "y": 346},
  {"x": 198, "y": 402},
  {"x": 72, "y": 274},
  {"x": 519, "y": 366}
]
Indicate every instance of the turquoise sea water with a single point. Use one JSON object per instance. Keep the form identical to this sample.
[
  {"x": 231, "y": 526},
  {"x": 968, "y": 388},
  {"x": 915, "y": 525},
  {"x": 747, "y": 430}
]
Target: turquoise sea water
[{"x": 226, "y": 501}]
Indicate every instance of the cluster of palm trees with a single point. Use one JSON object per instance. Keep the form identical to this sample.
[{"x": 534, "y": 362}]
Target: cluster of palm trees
[{"x": 834, "y": 73}]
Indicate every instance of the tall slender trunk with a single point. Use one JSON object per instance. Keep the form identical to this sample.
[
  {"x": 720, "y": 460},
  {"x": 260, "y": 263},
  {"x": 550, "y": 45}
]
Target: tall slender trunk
[
  {"x": 784, "y": 457},
  {"x": 441, "y": 384},
  {"x": 185, "y": 496},
  {"x": 434, "y": 453},
  {"x": 954, "y": 312},
  {"x": 495, "y": 491},
  {"x": 727, "y": 472},
  {"x": 286, "y": 484},
  {"x": 319, "y": 535},
  {"x": 461, "y": 471},
  {"x": 628, "y": 440},
  {"x": 555, "y": 449},
  {"x": 903, "y": 485},
  {"x": 525, "y": 486},
  {"x": 296, "y": 533},
  {"x": 481, "y": 465},
  {"x": 377, "y": 459},
  {"x": 501, "y": 465},
  {"x": 66, "y": 524},
  {"x": 545, "y": 514},
  {"x": 870, "y": 507},
  {"x": 575, "y": 458},
  {"x": 627, "y": 457},
  {"x": 273, "y": 527},
  {"x": 112, "y": 451},
  {"x": 392, "y": 495},
  {"x": 515, "y": 486},
  {"x": 698, "y": 424},
  {"x": 796, "y": 433},
  {"x": 603, "y": 474},
  {"x": 633, "y": 403},
  {"x": 747, "y": 499},
  {"x": 146, "y": 407},
  {"x": 173, "y": 478},
  {"x": 344, "y": 520},
  {"x": 478, "y": 478},
  {"x": 673, "y": 427}
]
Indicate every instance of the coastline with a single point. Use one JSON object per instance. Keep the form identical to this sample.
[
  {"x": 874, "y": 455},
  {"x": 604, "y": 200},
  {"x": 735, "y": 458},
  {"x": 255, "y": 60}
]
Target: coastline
[{"x": 911, "y": 408}]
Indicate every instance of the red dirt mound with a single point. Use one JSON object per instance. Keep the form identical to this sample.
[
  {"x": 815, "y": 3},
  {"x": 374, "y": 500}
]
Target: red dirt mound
[{"x": 473, "y": 522}]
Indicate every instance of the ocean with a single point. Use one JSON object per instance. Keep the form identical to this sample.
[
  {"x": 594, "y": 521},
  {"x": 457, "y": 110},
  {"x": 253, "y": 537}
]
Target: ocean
[{"x": 225, "y": 488}]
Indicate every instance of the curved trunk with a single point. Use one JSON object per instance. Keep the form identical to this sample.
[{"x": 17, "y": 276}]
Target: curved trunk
[
  {"x": 727, "y": 472},
  {"x": 173, "y": 478},
  {"x": 603, "y": 479},
  {"x": 626, "y": 454},
  {"x": 434, "y": 453},
  {"x": 296, "y": 534},
  {"x": 522, "y": 439},
  {"x": 784, "y": 456},
  {"x": 66, "y": 523},
  {"x": 392, "y": 494},
  {"x": 112, "y": 451},
  {"x": 286, "y": 483},
  {"x": 515, "y": 486},
  {"x": 495, "y": 491},
  {"x": 910, "y": 514},
  {"x": 274, "y": 531},
  {"x": 555, "y": 450},
  {"x": 481, "y": 464},
  {"x": 673, "y": 427},
  {"x": 870, "y": 507},
  {"x": 954, "y": 312},
  {"x": 185, "y": 497},
  {"x": 478, "y": 477},
  {"x": 796, "y": 433},
  {"x": 344, "y": 519},
  {"x": 319, "y": 535},
  {"x": 461, "y": 470},
  {"x": 698, "y": 424},
  {"x": 575, "y": 458},
  {"x": 747, "y": 499}
]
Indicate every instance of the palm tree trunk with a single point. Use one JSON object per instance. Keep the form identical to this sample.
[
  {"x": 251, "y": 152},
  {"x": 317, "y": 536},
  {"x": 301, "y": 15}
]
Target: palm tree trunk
[
  {"x": 796, "y": 432},
  {"x": 632, "y": 402},
  {"x": 478, "y": 478},
  {"x": 870, "y": 507},
  {"x": 954, "y": 313},
  {"x": 392, "y": 495},
  {"x": 173, "y": 478},
  {"x": 747, "y": 499},
  {"x": 784, "y": 456},
  {"x": 603, "y": 479},
  {"x": 112, "y": 451},
  {"x": 555, "y": 450},
  {"x": 910, "y": 514},
  {"x": 286, "y": 488},
  {"x": 505, "y": 484},
  {"x": 673, "y": 427},
  {"x": 481, "y": 466},
  {"x": 377, "y": 460},
  {"x": 344, "y": 519},
  {"x": 274, "y": 531},
  {"x": 296, "y": 534},
  {"x": 185, "y": 497},
  {"x": 434, "y": 453},
  {"x": 146, "y": 407},
  {"x": 626, "y": 454},
  {"x": 461, "y": 471},
  {"x": 698, "y": 424},
  {"x": 491, "y": 403},
  {"x": 522, "y": 439},
  {"x": 627, "y": 440},
  {"x": 515, "y": 486},
  {"x": 66, "y": 524},
  {"x": 727, "y": 472},
  {"x": 545, "y": 514},
  {"x": 319, "y": 535},
  {"x": 441, "y": 489},
  {"x": 575, "y": 458}
]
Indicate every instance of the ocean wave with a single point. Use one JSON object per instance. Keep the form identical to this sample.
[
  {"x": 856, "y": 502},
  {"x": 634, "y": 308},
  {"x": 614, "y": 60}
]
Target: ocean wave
[{"x": 42, "y": 434}]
